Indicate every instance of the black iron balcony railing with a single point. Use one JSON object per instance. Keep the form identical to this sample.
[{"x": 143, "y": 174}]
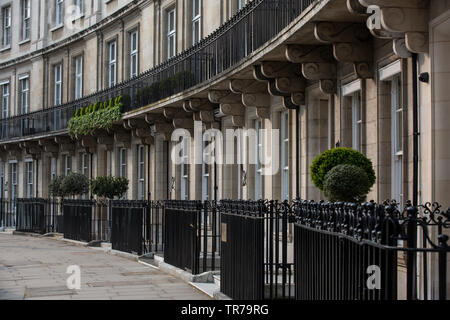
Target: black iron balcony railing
[{"x": 257, "y": 23}]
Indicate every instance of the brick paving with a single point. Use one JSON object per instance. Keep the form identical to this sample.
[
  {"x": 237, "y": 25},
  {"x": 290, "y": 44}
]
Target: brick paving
[{"x": 35, "y": 268}]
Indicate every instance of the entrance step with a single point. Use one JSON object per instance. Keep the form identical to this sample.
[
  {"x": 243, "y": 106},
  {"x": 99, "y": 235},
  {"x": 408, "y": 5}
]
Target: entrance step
[
  {"x": 208, "y": 288},
  {"x": 217, "y": 280}
]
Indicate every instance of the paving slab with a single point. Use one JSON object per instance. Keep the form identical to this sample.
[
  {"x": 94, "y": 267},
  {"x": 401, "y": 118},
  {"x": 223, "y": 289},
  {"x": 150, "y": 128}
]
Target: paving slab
[{"x": 35, "y": 269}]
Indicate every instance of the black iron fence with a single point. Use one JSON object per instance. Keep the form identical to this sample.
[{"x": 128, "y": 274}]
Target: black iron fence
[
  {"x": 267, "y": 249},
  {"x": 86, "y": 220},
  {"x": 137, "y": 226},
  {"x": 8, "y": 209},
  {"x": 259, "y": 22},
  {"x": 255, "y": 262},
  {"x": 334, "y": 251},
  {"x": 191, "y": 235},
  {"x": 36, "y": 215},
  {"x": 31, "y": 215},
  {"x": 370, "y": 251}
]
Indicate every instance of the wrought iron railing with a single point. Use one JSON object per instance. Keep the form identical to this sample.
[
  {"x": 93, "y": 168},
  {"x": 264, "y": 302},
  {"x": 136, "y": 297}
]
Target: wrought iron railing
[
  {"x": 35, "y": 215},
  {"x": 256, "y": 261},
  {"x": 370, "y": 251},
  {"x": 254, "y": 25}
]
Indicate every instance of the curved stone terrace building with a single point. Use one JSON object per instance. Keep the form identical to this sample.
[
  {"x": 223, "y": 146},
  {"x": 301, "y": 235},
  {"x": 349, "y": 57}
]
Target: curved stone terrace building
[{"x": 311, "y": 68}]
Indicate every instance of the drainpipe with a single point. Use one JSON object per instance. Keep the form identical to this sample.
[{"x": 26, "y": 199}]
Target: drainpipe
[
  {"x": 416, "y": 133},
  {"x": 91, "y": 164},
  {"x": 167, "y": 170},
  {"x": 297, "y": 152}
]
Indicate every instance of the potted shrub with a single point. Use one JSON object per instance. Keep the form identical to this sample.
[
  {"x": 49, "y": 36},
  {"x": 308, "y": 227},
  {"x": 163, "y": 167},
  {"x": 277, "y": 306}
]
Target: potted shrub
[
  {"x": 346, "y": 182},
  {"x": 75, "y": 184},
  {"x": 109, "y": 187},
  {"x": 329, "y": 159},
  {"x": 71, "y": 185}
]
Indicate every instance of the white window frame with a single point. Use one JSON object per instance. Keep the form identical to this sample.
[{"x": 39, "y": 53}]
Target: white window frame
[
  {"x": 357, "y": 121},
  {"x": 67, "y": 164},
  {"x": 171, "y": 33},
  {"x": 397, "y": 139},
  {"x": 29, "y": 175},
  {"x": 5, "y": 92},
  {"x": 26, "y": 19},
  {"x": 14, "y": 177},
  {"x": 123, "y": 162},
  {"x": 258, "y": 168},
  {"x": 78, "y": 77},
  {"x": 6, "y": 24},
  {"x": 134, "y": 54},
  {"x": 205, "y": 173},
  {"x": 184, "y": 170},
  {"x": 85, "y": 165},
  {"x": 53, "y": 168},
  {"x": 112, "y": 63},
  {"x": 59, "y": 9},
  {"x": 284, "y": 155},
  {"x": 24, "y": 85},
  {"x": 57, "y": 84},
  {"x": 240, "y": 162},
  {"x": 196, "y": 21},
  {"x": 141, "y": 172},
  {"x": 79, "y": 5}
]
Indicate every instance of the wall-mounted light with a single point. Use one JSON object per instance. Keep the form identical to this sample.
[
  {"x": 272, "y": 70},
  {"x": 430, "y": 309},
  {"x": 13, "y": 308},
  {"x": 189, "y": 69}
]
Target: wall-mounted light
[{"x": 424, "y": 77}]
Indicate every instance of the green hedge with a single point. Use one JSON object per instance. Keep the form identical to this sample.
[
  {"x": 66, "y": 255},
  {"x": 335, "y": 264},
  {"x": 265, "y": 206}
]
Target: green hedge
[{"x": 331, "y": 158}]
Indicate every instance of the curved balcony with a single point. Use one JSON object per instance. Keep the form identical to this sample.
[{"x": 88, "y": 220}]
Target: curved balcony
[{"x": 247, "y": 31}]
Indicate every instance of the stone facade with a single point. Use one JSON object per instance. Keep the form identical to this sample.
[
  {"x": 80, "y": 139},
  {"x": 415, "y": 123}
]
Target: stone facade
[{"x": 346, "y": 86}]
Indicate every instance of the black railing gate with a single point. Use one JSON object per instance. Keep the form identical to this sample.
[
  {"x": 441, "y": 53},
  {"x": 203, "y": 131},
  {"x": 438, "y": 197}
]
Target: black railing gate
[
  {"x": 137, "y": 226},
  {"x": 181, "y": 247},
  {"x": 78, "y": 219},
  {"x": 255, "y": 260},
  {"x": 191, "y": 235}
]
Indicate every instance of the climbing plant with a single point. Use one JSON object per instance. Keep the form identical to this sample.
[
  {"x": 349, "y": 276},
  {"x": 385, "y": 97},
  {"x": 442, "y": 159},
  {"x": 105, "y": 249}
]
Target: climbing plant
[{"x": 97, "y": 116}]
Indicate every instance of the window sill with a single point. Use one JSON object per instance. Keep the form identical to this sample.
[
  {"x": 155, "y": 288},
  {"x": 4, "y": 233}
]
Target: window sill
[
  {"x": 5, "y": 48},
  {"x": 24, "y": 41},
  {"x": 59, "y": 26}
]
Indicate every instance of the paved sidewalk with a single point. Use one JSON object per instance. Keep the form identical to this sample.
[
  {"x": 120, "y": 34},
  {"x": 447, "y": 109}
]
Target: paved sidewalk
[{"x": 35, "y": 268}]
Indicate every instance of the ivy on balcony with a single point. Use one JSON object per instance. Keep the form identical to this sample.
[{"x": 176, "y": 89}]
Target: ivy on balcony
[{"x": 97, "y": 116}]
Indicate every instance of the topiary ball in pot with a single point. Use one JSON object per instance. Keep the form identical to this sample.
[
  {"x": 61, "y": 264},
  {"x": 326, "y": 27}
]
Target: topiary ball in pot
[
  {"x": 331, "y": 158},
  {"x": 75, "y": 184},
  {"x": 348, "y": 183}
]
